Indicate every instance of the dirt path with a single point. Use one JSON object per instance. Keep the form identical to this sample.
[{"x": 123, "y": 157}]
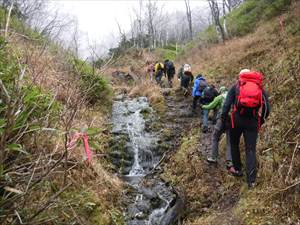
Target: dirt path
[{"x": 209, "y": 190}]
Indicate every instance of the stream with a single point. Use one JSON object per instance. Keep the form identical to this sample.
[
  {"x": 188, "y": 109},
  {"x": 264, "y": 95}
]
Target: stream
[{"x": 136, "y": 153}]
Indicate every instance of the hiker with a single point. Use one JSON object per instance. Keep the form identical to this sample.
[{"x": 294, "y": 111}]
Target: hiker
[
  {"x": 159, "y": 72},
  {"x": 219, "y": 129},
  {"x": 199, "y": 86},
  {"x": 208, "y": 95},
  {"x": 250, "y": 108},
  {"x": 150, "y": 69},
  {"x": 186, "y": 78},
  {"x": 169, "y": 71}
]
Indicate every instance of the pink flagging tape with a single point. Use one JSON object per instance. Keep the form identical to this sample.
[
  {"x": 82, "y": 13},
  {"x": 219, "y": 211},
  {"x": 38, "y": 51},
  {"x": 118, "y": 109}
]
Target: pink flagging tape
[
  {"x": 73, "y": 140},
  {"x": 86, "y": 147}
]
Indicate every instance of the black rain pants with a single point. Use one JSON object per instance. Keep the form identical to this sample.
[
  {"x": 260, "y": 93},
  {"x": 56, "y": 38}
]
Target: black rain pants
[{"x": 248, "y": 126}]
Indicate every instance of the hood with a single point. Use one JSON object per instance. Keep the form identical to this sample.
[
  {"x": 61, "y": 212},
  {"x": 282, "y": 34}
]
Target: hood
[
  {"x": 222, "y": 90},
  {"x": 199, "y": 77},
  {"x": 244, "y": 71}
]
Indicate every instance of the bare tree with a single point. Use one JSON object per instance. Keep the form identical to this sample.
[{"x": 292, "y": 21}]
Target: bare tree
[
  {"x": 25, "y": 9},
  {"x": 224, "y": 19},
  {"x": 230, "y": 4},
  {"x": 215, "y": 12},
  {"x": 189, "y": 17}
]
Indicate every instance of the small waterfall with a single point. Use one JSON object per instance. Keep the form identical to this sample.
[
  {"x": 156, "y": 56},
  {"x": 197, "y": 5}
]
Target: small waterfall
[
  {"x": 152, "y": 199},
  {"x": 135, "y": 130}
]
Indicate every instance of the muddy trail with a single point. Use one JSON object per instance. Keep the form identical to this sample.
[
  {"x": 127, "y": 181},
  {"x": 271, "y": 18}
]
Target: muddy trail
[{"x": 217, "y": 198}]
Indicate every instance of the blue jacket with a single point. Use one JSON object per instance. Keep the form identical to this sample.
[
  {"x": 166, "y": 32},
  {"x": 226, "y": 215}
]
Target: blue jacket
[{"x": 196, "y": 91}]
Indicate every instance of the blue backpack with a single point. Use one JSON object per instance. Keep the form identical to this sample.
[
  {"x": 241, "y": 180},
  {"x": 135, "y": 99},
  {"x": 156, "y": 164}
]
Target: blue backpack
[{"x": 202, "y": 84}]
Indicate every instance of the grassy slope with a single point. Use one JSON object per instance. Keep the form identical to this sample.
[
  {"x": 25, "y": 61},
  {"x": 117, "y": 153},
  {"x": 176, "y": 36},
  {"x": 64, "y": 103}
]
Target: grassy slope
[
  {"x": 94, "y": 196},
  {"x": 277, "y": 55}
]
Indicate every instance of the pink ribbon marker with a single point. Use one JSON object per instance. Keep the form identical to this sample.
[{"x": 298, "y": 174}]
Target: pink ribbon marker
[
  {"x": 74, "y": 138},
  {"x": 86, "y": 147}
]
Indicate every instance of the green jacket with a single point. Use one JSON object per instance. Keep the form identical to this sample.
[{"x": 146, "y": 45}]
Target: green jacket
[{"x": 217, "y": 103}]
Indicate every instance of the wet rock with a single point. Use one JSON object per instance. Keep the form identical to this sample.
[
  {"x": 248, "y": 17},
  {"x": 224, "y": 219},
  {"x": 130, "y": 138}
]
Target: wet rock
[
  {"x": 143, "y": 206},
  {"x": 122, "y": 76},
  {"x": 132, "y": 212},
  {"x": 119, "y": 97},
  {"x": 125, "y": 170},
  {"x": 155, "y": 203},
  {"x": 140, "y": 215},
  {"x": 116, "y": 155},
  {"x": 149, "y": 194}
]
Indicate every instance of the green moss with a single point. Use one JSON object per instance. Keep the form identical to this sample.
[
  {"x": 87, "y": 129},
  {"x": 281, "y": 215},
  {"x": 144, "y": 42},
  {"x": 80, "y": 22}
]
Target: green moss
[{"x": 146, "y": 113}]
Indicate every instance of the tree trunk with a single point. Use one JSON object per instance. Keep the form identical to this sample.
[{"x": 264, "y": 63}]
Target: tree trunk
[
  {"x": 224, "y": 21},
  {"x": 189, "y": 18},
  {"x": 213, "y": 4}
]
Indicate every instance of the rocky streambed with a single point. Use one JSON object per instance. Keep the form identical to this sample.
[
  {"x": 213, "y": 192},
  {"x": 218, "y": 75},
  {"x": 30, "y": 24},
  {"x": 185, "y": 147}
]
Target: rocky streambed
[{"x": 136, "y": 153}]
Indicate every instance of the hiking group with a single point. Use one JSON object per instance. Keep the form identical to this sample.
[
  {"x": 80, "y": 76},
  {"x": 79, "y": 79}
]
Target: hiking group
[
  {"x": 241, "y": 110},
  {"x": 159, "y": 70}
]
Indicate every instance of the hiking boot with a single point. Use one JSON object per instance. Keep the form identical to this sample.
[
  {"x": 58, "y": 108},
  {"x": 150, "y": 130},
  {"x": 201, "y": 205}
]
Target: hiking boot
[
  {"x": 234, "y": 172},
  {"x": 228, "y": 164},
  {"x": 251, "y": 185},
  {"x": 204, "y": 129},
  {"x": 185, "y": 92},
  {"x": 211, "y": 159}
]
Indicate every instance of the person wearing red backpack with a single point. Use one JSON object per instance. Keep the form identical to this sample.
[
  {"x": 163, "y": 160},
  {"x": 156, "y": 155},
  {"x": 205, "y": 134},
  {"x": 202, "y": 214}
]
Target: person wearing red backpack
[{"x": 250, "y": 108}]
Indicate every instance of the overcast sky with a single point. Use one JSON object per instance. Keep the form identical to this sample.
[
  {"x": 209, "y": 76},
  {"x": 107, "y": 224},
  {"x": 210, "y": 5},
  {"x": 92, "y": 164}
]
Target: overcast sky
[{"x": 97, "y": 19}]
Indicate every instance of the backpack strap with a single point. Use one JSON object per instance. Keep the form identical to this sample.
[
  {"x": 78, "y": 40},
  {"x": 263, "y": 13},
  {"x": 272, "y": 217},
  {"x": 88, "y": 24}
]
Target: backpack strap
[
  {"x": 234, "y": 107},
  {"x": 232, "y": 115},
  {"x": 262, "y": 102}
]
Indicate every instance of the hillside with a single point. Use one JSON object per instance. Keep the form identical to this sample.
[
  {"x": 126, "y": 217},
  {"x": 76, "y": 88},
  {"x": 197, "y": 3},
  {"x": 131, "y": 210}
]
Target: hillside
[{"x": 47, "y": 96}]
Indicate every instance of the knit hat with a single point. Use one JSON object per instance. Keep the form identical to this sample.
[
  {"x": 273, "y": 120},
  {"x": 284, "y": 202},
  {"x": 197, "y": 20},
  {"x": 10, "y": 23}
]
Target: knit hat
[
  {"x": 222, "y": 89},
  {"x": 244, "y": 71}
]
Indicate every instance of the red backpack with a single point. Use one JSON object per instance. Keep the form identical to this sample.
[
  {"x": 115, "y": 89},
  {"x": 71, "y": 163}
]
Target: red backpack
[{"x": 249, "y": 95}]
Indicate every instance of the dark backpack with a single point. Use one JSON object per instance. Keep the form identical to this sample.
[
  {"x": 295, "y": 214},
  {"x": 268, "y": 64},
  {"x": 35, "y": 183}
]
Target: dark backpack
[
  {"x": 249, "y": 95},
  {"x": 209, "y": 93},
  {"x": 202, "y": 84},
  {"x": 170, "y": 67}
]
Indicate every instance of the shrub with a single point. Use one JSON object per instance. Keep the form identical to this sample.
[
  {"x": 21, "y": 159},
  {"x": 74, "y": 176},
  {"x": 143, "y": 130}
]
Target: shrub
[
  {"x": 93, "y": 85},
  {"x": 23, "y": 106}
]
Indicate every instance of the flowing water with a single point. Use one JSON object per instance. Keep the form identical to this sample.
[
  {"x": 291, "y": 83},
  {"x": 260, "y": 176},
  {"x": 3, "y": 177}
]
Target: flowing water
[{"x": 135, "y": 155}]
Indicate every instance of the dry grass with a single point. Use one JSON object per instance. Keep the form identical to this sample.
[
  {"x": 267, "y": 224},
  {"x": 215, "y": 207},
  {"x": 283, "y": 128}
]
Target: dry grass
[{"x": 51, "y": 72}]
